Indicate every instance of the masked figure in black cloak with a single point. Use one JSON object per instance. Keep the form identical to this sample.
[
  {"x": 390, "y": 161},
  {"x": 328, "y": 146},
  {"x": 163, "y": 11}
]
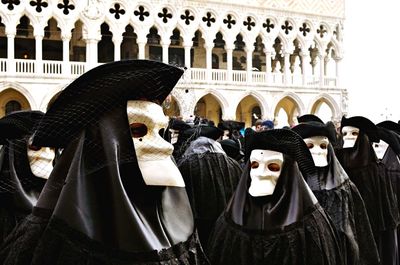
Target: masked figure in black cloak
[
  {"x": 23, "y": 168},
  {"x": 121, "y": 202},
  {"x": 176, "y": 128},
  {"x": 273, "y": 217},
  {"x": 210, "y": 176},
  {"x": 338, "y": 195},
  {"x": 365, "y": 170},
  {"x": 388, "y": 152}
]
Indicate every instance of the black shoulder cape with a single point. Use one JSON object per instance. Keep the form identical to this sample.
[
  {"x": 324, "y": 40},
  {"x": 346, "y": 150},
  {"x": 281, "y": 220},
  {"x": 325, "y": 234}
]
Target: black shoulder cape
[
  {"x": 375, "y": 187},
  {"x": 211, "y": 178},
  {"x": 286, "y": 227}
]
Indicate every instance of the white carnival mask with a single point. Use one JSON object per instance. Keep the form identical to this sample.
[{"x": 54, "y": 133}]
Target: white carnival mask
[
  {"x": 153, "y": 153},
  {"x": 380, "y": 148},
  {"x": 174, "y": 135},
  {"x": 350, "y": 135},
  {"x": 41, "y": 161},
  {"x": 318, "y": 146},
  {"x": 266, "y": 167}
]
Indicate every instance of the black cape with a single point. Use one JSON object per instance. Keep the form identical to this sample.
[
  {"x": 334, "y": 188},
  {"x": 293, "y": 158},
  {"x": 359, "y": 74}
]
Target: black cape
[
  {"x": 211, "y": 178},
  {"x": 95, "y": 207},
  {"x": 19, "y": 187},
  {"x": 369, "y": 175},
  {"x": 287, "y": 227},
  {"x": 341, "y": 200}
]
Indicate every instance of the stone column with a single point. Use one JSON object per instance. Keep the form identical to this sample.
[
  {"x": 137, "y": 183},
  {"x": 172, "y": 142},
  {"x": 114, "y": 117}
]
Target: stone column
[
  {"x": 229, "y": 61},
  {"x": 165, "y": 55},
  {"x": 117, "y": 40},
  {"x": 286, "y": 70},
  {"x": 10, "y": 52},
  {"x": 187, "y": 47},
  {"x": 91, "y": 53},
  {"x": 249, "y": 63},
  {"x": 338, "y": 61},
  {"x": 321, "y": 69},
  {"x": 66, "y": 68},
  {"x": 305, "y": 58},
  {"x": 208, "y": 48}
]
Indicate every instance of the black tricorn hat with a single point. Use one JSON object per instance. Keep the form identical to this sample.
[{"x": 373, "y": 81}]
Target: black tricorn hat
[
  {"x": 100, "y": 90},
  {"x": 308, "y": 118},
  {"x": 208, "y": 131},
  {"x": 285, "y": 141},
  {"x": 390, "y": 125},
  {"x": 179, "y": 125},
  {"x": 315, "y": 128},
  {"x": 231, "y": 125},
  {"x": 362, "y": 123},
  {"x": 390, "y": 137},
  {"x": 18, "y": 124}
]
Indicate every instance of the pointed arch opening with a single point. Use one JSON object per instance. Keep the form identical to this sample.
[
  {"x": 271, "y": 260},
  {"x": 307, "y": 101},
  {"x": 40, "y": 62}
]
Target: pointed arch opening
[
  {"x": 286, "y": 112},
  {"x": 52, "y": 44},
  {"x": 153, "y": 47},
  {"x": 77, "y": 45},
  {"x": 3, "y": 40},
  {"x": 129, "y": 46},
  {"x": 24, "y": 44},
  {"x": 248, "y": 111},
  {"x": 323, "y": 109},
  {"x": 239, "y": 59},
  {"x": 176, "y": 52},
  {"x": 208, "y": 108},
  {"x": 219, "y": 53},
  {"x": 11, "y": 100},
  {"x": 198, "y": 51},
  {"x": 259, "y": 60},
  {"x": 171, "y": 107},
  {"x": 105, "y": 47}
]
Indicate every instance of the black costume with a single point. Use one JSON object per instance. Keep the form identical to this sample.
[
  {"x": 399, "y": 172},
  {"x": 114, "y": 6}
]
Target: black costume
[
  {"x": 287, "y": 227},
  {"x": 391, "y": 161},
  {"x": 368, "y": 174},
  {"x": 210, "y": 177},
  {"x": 341, "y": 199},
  {"x": 104, "y": 213},
  {"x": 19, "y": 187}
]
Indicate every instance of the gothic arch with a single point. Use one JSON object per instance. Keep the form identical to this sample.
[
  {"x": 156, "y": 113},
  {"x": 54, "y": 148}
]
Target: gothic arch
[
  {"x": 20, "y": 89},
  {"x": 284, "y": 100},
  {"x": 265, "y": 110},
  {"x": 218, "y": 95},
  {"x": 324, "y": 98},
  {"x": 11, "y": 95}
]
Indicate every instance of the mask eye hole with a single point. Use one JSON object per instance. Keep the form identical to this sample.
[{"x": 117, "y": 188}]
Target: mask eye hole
[
  {"x": 138, "y": 130},
  {"x": 323, "y": 146},
  {"x": 310, "y": 145},
  {"x": 354, "y": 133},
  {"x": 254, "y": 164},
  {"x": 34, "y": 148},
  {"x": 376, "y": 145},
  {"x": 274, "y": 167}
]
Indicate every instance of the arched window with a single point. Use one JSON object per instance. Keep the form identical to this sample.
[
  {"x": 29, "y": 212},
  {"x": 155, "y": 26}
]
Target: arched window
[{"x": 12, "y": 106}]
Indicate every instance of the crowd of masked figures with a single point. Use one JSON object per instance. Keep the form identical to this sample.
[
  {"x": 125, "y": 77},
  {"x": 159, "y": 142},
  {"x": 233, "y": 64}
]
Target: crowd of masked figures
[{"x": 100, "y": 179}]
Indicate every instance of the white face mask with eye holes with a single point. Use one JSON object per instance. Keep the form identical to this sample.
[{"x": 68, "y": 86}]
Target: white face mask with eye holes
[
  {"x": 380, "y": 148},
  {"x": 318, "y": 146},
  {"x": 226, "y": 135},
  {"x": 174, "y": 135},
  {"x": 41, "y": 161},
  {"x": 153, "y": 153},
  {"x": 350, "y": 135},
  {"x": 266, "y": 167}
]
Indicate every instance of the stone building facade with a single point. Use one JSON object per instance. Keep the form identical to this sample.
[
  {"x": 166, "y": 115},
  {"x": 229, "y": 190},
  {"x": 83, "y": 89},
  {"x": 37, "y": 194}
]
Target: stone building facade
[{"x": 244, "y": 59}]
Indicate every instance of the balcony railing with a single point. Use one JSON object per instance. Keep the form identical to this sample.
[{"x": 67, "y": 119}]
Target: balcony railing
[{"x": 70, "y": 70}]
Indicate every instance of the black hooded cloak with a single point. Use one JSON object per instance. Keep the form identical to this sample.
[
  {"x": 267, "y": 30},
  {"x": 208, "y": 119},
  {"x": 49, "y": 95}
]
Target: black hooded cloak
[
  {"x": 211, "y": 178},
  {"x": 340, "y": 198},
  {"x": 287, "y": 227},
  {"x": 96, "y": 208},
  {"x": 369, "y": 175},
  {"x": 19, "y": 187}
]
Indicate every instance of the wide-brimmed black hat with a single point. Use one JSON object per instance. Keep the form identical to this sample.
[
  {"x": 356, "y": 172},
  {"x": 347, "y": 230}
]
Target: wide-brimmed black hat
[
  {"x": 390, "y": 125},
  {"x": 18, "y": 124},
  {"x": 362, "y": 123},
  {"x": 100, "y": 90},
  {"x": 285, "y": 141},
  {"x": 308, "y": 118},
  {"x": 315, "y": 128}
]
